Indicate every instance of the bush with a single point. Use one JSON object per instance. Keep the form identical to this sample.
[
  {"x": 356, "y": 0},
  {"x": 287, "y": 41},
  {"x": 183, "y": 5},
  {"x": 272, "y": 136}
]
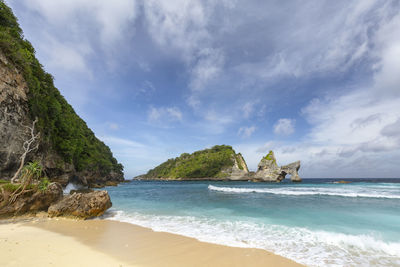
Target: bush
[{"x": 43, "y": 184}]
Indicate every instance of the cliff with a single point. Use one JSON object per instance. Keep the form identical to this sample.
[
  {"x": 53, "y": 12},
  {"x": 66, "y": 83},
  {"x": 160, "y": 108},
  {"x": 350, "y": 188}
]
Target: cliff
[
  {"x": 216, "y": 163},
  {"x": 67, "y": 148},
  {"x": 221, "y": 163},
  {"x": 269, "y": 171}
]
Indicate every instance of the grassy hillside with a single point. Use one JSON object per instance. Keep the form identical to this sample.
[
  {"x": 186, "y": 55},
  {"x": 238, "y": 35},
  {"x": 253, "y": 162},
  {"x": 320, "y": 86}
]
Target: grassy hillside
[
  {"x": 61, "y": 128},
  {"x": 200, "y": 164}
]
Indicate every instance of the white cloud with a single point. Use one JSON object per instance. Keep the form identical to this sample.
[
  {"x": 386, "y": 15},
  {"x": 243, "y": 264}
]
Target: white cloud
[
  {"x": 77, "y": 28},
  {"x": 284, "y": 127},
  {"x": 111, "y": 17},
  {"x": 182, "y": 27},
  {"x": 248, "y": 109},
  {"x": 112, "y": 140},
  {"x": 164, "y": 115},
  {"x": 357, "y": 134},
  {"x": 147, "y": 88},
  {"x": 67, "y": 56},
  {"x": 207, "y": 67},
  {"x": 113, "y": 126},
  {"x": 246, "y": 131}
]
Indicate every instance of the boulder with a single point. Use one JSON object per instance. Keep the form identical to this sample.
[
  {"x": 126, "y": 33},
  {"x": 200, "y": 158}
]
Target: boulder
[
  {"x": 31, "y": 202},
  {"x": 81, "y": 205}
]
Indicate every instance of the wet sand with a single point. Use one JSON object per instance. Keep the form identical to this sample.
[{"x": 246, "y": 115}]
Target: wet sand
[{"x": 65, "y": 242}]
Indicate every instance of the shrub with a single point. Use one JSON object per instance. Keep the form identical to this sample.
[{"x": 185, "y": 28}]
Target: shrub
[{"x": 43, "y": 184}]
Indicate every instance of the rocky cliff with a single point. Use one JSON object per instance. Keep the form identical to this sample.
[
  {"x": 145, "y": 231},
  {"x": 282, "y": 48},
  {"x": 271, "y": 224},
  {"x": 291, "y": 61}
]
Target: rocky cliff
[
  {"x": 238, "y": 171},
  {"x": 216, "y": 163},
  {"x": 67, "y": 148},
  {"x": 222, "y": 163},
  {"x": 269, "y": 171}
]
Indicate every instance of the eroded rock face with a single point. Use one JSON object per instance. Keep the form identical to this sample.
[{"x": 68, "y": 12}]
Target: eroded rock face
[
  {"x": 239, "y": 170},
  {"x": 14, "y": 116},
  {"x": 81, "y": 205},
  {"x": 32, "y": 203},
  {"x": 292, "y": 169},
  {"x": 269, "y": 171}
]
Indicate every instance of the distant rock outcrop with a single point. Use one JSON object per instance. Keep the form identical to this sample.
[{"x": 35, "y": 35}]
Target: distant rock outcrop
[
  {"x": 221, "y": 163},
  {"x": 269, "y": 171},
  {"x": 216, "y": 163},
  {"x": 81, "y": 205},
  {"x": 292, "y": 169}
]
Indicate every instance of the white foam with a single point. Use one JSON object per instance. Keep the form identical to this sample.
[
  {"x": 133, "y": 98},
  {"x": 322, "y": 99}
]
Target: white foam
[
  {"x": 312, "y": 248},
  {"x": 72, "y": 186},
  {"x": 306, "y": 191}
]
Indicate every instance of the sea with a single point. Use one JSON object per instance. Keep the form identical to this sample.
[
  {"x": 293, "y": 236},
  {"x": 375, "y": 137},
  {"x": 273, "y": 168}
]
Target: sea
[{"x": 318, "y": 222}]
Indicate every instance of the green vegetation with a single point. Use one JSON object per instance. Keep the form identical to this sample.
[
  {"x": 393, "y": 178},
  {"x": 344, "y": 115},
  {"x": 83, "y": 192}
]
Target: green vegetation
[
  {"x": 43, "y": 184},
  {"x": 9, "y": 187},
  {"x": 59, "y": 125},
  {"x": 29, "y": 181},
  {"x": 270, "y": 156},
  {"x": 239, "y": 162},
  {"x": 205, "y": 163}
]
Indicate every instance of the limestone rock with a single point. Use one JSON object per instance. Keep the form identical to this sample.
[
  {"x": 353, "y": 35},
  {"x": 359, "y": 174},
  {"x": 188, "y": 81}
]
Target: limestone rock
[
  {"x": 292, "y": 169},
  {"x": 239, "y": 170},
  {"x": 14, "y": 115},
  {"x": 31, "y": 203},
  {"x": 81, "y": 205},
  {"x": 269, "y": 171}
]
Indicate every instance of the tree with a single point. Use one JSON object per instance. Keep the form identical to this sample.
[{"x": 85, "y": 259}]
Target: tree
[{"x": 29, "y": 145}]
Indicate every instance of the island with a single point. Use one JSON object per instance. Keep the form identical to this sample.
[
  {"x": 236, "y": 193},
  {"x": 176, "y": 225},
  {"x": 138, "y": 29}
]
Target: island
[{"x": 221, "y": 163}]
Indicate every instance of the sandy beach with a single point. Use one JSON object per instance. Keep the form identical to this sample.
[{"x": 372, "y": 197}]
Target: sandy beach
[{"x": 65, "y": 242}]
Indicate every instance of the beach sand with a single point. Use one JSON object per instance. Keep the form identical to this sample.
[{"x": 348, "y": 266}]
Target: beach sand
[{"x": 66, "y": 242}]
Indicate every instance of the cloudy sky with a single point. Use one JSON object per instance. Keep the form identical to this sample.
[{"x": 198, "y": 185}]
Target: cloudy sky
[{"x": 317, "y": 81}]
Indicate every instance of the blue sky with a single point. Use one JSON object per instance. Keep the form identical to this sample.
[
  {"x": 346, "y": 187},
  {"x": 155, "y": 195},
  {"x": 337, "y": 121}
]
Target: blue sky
[{"x": 316, "y": 81}]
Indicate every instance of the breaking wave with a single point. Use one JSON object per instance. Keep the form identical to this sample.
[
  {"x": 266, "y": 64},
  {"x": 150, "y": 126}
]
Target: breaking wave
[
  {"x": 349, "y": 191},
  {"x": 312, "y": 248}
]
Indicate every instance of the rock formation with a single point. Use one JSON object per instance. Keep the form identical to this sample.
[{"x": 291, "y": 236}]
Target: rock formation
[
  {"x": 15, "y": 115},
  {"x": 30, "y": 203},
  {"x": 221, "y": 163},
  {"x": 81, "y": 205},
  {"x": 269, "y": 171},
  {"x": 239, "y": 170},
  {"x": 292, "y": 169}
]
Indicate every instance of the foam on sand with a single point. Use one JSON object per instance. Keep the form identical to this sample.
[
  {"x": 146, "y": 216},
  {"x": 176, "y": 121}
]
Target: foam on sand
[{"x": 312, "y": 248}]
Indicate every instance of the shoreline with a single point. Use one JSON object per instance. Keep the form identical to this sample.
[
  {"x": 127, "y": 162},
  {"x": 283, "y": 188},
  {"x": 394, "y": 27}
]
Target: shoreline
[{"x": 67, "y": 242}]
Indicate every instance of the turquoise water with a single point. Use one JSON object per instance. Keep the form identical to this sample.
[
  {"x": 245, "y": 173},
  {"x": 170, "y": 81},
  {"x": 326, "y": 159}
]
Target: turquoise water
[{"x": 317, "y": 222}]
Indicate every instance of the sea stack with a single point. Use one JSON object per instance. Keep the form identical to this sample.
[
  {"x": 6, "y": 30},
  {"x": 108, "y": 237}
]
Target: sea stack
[{"x": 269, "y": 171}]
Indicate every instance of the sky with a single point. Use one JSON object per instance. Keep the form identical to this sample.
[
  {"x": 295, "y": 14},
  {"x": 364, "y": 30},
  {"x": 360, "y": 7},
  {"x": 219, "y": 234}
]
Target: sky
[{"x": 316, "y": 81}]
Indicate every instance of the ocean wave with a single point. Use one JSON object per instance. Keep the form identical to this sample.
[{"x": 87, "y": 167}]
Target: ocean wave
[
  {"x": 312, "y": 248},
  {"x": 306, "y": 191}
]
